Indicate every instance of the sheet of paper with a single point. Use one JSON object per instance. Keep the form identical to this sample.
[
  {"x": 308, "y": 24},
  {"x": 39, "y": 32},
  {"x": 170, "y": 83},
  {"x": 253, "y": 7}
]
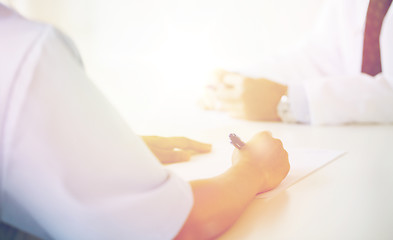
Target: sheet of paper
[{"x": 303, "y": 163}]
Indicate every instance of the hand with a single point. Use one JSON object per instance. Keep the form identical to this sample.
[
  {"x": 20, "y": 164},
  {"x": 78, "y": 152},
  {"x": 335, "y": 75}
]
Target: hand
[
  {"x": 244, "y": 97},
  {"x": 265, "y": 157},
  {"x": 175, "y": 149},
  {"x": 219, "y": 201}
]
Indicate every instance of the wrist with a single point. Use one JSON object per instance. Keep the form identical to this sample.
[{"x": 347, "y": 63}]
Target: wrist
[{"x": 248, "y": 172}]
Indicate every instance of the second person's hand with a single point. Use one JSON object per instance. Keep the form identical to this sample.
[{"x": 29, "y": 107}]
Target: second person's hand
[
  {"x": 175, "y": 149},
  {"x": 244, "y": 97}
]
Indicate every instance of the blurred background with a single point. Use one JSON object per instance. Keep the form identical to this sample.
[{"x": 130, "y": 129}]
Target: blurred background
[{"x": 153, "y": 55}]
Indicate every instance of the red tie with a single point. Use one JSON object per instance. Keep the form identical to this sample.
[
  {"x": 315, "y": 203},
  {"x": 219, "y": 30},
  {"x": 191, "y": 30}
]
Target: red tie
[{"x": 377, "y": 10}]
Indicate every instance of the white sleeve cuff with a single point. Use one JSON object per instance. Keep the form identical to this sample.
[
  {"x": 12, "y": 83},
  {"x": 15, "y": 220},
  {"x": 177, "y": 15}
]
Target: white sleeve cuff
[{"x": 294, "y": 107}]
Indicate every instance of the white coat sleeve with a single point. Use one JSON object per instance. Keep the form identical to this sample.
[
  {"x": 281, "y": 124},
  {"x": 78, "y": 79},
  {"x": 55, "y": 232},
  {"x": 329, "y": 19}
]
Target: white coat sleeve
[
  {"x": 314, "y": 58},
  {"x": 323, "y": 74},
  {"x": 349, "y": 99},
  {"x": 72, "y": 168},
  {"x": 341, "y": 94}
]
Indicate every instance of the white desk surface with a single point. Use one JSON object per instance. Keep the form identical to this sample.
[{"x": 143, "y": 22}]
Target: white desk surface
[{"x": 350, "y": 198}]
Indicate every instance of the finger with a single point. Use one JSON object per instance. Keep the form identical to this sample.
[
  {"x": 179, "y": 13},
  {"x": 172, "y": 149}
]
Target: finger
[
  {"x": 229, "y": 85},
  {"x": 157, "y": 142},
  {"x": 287, "y": 163},
  {"x": 209, "y": 99},
  {"x": 225, "y": 91},
  {"x": 261, "y": 136},
  {"x": 232, "y": 80},
  {"x": 189, "y": 144},
  {"x": 170, "y": 143},
  {"x": 217, "y": 77},
  {"x": 279, "y": 142},
  {"x": 267, "y": 133},
  {"x": 170, "y": 156}
]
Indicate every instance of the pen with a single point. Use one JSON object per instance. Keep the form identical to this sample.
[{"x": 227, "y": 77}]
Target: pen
[{"x": 235, "y": 141}]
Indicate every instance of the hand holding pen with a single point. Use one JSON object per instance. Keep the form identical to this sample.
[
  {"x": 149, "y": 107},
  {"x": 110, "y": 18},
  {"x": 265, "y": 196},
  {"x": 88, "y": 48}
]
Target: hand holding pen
[{"x": 265, "y": 156}]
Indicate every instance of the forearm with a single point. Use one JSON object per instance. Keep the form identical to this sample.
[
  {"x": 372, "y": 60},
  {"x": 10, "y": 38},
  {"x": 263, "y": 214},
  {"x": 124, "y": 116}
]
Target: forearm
[{"x": 219, "y": 201}]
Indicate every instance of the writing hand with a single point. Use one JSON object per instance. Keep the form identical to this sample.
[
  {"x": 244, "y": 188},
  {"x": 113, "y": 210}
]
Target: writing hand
[{"x": 266, "y": 159}]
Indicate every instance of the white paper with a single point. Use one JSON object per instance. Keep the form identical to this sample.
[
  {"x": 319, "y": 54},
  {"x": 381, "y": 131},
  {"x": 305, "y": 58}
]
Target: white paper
[{"x": 303, "y": 163}]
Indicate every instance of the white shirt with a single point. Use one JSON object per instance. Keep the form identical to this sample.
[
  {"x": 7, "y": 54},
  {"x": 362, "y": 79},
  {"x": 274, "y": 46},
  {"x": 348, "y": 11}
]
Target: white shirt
[
  {"x": 71, "y": 168},
  {"x": 326, "y": 85}
]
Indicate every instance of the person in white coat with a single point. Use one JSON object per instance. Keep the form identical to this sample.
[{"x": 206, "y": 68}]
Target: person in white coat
[
  {"x": 71, "y": 168},
  {"x": 337, "y": 76}
]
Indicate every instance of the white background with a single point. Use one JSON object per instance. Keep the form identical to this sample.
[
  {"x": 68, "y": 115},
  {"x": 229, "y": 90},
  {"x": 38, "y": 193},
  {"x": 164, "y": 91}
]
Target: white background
[{"x": 158, "y": 54}]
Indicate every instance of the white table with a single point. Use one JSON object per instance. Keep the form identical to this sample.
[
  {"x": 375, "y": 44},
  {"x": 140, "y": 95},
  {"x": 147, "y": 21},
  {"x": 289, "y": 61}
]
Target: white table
[{"x": 350, "y": 198}]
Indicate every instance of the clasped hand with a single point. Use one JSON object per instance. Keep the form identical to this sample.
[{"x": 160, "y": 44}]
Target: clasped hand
[{"x": 244, "y": 97}]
